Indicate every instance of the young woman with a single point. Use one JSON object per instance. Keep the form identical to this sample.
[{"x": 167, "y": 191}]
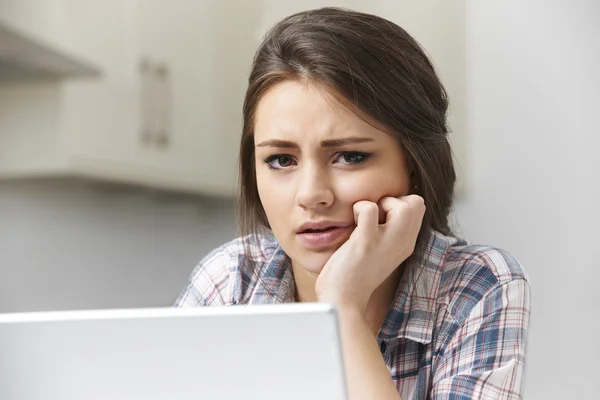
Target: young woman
[{"x": 346, "y": 186}]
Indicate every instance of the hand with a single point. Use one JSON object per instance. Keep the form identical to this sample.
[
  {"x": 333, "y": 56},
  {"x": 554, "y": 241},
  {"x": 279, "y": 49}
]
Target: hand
[{"x": 372, "y": 252}]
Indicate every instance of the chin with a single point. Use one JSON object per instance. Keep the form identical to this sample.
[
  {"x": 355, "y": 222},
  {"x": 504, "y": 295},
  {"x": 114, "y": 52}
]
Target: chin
[{"x": 315, "y": 262}]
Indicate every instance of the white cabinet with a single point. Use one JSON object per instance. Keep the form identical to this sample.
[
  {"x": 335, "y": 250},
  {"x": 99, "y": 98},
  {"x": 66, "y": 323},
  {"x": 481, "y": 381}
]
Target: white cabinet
[
  {"x": 166, "y": 110},
  {"x": 100, "y": 117},
  {"x": 207, "y": 48}
]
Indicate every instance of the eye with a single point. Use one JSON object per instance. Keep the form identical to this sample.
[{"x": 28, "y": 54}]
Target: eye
[
  {"x": 279, "y": 161},
  {"x": 352, "y": 157}
]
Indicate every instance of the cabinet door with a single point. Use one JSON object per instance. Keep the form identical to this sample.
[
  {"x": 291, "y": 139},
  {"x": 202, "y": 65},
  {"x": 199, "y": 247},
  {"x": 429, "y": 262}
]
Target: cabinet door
[
  {"x": 174, "y": 41},
  {"x": 101, "y": 117},
  {"x": 206, "y": 48}
]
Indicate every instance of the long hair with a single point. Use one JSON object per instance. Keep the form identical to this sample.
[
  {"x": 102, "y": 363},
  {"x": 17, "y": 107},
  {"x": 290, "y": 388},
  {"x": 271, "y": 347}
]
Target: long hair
[{"x": 369, "y": 63}]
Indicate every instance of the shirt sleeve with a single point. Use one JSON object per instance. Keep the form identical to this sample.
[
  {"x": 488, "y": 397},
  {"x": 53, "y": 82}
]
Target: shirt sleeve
[
  {"x": 485, "y": 357},
  {"x": 209, "y": 283}
]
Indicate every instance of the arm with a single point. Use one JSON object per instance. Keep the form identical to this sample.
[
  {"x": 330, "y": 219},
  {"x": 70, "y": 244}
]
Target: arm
[
  {"x": 366, "y": 372},
  {"x": 484, "y": 358},
  {"x": 347, "y": 281}
]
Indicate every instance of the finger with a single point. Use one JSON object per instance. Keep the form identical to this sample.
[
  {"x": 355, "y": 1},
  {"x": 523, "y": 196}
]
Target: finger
[
  {"x": 366, "y": 215},
  {"x": 389, "y": 204}
]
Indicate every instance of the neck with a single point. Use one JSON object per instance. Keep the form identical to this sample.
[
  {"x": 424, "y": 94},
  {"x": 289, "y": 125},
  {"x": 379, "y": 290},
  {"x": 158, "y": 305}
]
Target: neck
[
  {"x": 378, "y": 306},
  {"x": 305, "y": 285}
]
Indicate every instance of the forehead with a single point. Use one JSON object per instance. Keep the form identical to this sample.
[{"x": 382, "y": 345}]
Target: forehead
[{"x": 298, "y": 111}]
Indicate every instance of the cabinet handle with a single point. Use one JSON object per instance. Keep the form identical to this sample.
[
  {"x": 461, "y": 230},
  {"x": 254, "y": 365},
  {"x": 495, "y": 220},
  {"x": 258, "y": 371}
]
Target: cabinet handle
[
  {"x": 163, "y": 111},
  {"x": 146, "y": 132},
  {"x": 155, "y": 104}
]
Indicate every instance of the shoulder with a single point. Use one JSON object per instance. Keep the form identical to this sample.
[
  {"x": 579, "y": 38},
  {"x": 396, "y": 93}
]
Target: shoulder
[
  {"x": 483, "y": 321},
  {"x": 212, "y": 281},
  {"x": 471, "y": 273}
]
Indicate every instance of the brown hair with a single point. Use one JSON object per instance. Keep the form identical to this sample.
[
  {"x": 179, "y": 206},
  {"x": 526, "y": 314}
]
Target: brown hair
[{"x": 369, "y": 63}]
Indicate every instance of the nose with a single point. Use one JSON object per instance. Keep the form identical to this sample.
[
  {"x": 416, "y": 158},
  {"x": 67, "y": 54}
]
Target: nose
[{"x": 314, "y": 188}]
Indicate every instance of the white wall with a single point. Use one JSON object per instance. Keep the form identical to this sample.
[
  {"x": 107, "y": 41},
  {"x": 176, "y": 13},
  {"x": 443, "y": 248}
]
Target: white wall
[
  {"x": 533, "y": 88},
  {"x": 74, "y": 245}
]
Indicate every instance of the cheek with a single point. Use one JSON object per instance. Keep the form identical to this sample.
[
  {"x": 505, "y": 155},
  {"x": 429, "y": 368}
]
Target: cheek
[{"x": 372, "y": 186}]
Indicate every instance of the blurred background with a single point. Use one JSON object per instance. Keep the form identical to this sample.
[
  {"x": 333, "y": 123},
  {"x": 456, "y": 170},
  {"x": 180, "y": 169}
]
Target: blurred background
[{"x": 119, "y": 129}]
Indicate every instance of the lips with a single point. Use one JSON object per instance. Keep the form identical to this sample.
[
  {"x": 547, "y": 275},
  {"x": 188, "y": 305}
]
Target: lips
[{"x": 324, "y": 234}]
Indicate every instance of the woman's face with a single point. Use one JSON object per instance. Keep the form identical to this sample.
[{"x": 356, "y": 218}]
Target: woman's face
[{"x": 314, "y": 160}]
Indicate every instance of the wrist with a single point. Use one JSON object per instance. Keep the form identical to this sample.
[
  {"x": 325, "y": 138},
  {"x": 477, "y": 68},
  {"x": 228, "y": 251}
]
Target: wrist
[
  {"x": 349, "y": 306},
  {"x": 344, "y": 301},
  {"x": 352, "y": 320},
  {"x": 351, "y": 311}
]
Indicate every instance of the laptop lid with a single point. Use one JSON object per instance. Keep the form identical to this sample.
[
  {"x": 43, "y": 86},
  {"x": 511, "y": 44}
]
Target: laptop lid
[{"x": 283, "y": 351}]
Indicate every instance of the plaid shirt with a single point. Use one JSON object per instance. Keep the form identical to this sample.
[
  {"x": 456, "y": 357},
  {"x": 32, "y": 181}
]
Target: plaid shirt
[{"x": 459, "y": 331}]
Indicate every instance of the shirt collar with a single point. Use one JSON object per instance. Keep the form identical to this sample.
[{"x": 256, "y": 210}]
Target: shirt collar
[{"x": 413, "y": 312}]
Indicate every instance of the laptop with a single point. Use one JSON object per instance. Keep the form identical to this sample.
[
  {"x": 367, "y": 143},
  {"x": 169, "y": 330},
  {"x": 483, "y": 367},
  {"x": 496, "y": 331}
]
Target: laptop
[{"x": 282, "y": 351}]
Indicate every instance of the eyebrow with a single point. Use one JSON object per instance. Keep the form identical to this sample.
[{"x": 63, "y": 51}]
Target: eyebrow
[{"x": 286, "y": 144}]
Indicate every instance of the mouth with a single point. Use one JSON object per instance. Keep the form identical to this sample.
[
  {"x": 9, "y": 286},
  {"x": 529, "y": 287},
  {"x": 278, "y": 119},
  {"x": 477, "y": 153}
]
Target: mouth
[
  {"x": 328, "y": 236},
  {"x": 328, "y": 228},
  {"x": 322, "y": 226}
]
